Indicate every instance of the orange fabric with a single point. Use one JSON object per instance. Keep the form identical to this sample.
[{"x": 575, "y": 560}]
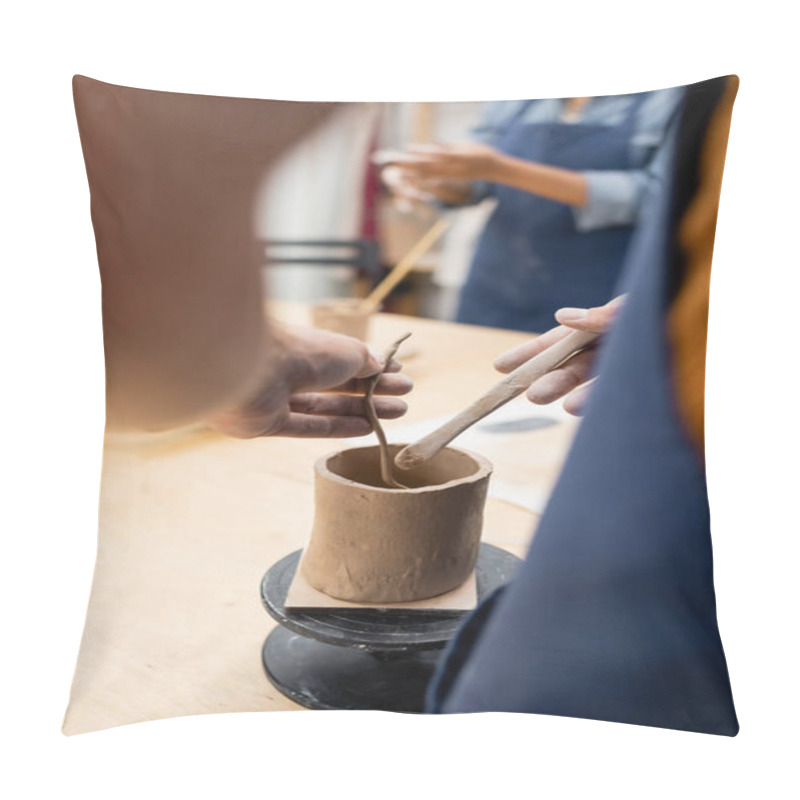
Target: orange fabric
[{"x": 688, "y": 317}]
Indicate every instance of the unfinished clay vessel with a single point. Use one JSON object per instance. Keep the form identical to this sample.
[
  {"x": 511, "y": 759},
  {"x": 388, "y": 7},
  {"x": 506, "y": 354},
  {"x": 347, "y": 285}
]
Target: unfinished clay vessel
[
  {"x": 374, "y": 544},
  {"x": 347, "y": 316}
]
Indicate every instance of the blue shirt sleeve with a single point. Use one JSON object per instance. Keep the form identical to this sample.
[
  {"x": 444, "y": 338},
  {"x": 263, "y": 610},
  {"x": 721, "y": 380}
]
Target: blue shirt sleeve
[{"x": 615, "y": 197}]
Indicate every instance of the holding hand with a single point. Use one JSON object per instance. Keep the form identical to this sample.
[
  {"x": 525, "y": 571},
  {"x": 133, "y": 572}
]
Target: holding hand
[
  {"x": 314, "y": 388},
  {"x": 456, "y": 162},
  {"x": 427, "y": 173},
  {"x": 406, "y": 189},
  {"x": 571, "y": 379}
]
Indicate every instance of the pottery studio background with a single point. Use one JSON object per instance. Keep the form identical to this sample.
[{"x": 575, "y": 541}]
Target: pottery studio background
[{"x": 330, "y": 189}]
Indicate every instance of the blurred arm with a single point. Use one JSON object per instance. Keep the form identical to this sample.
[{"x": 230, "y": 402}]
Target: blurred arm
[
  {"x": 173, "y": 179},
  {"x": 615, "y": 197}
]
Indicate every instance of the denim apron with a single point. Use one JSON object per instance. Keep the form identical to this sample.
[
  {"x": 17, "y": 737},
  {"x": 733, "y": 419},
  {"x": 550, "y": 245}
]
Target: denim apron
[
  {"x": 612, "y": 616},
  {"x": 531, "y": 259}
]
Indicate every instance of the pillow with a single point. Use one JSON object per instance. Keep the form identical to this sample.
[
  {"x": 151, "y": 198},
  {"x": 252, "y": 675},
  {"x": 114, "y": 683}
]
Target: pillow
[{"x": 612, "y": 615}]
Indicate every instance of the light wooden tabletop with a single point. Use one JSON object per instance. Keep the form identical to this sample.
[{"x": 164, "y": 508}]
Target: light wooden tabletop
[{"x": 190, "y": 521}]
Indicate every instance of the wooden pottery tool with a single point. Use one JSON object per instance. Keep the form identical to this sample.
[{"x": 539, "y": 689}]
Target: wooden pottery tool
[
  {"x": 404, "y": 266},
  {"x": 514, "y": 384},
  {"x": 351, "y": 316},
  {"x": 372, "y": 416}
]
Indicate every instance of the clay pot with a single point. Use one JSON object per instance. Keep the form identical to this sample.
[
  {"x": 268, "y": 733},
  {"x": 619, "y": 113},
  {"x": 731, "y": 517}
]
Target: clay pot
[
  {"x": 374, "y": 544},
  {"x": 347, "y": 316}
]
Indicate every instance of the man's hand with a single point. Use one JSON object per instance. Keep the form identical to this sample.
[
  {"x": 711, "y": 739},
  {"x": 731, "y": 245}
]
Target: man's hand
[
  {"x": 570, "y": 380},
  {"x": 314, "y": 388}
]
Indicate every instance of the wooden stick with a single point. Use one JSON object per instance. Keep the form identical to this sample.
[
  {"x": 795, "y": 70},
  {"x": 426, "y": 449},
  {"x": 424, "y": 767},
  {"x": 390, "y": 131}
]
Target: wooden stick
[
  {"x": 422, "y": 123},
  {"x": 405, "y": 265},
  {"x": 372, "y": 416},
  {"x": 512, "y": 385}
]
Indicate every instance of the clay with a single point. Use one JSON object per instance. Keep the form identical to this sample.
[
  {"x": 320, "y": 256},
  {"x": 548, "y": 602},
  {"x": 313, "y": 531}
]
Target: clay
[
  {"x": 348, "y": 316},
  {"x": 375, "y": 544},
  {"x": 372, "y": 416}
]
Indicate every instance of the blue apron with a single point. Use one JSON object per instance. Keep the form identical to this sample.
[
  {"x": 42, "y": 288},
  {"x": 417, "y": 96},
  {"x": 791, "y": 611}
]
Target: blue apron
[
  {"x": 531, "y": 260},
  {"x": 612, "y": 616}
]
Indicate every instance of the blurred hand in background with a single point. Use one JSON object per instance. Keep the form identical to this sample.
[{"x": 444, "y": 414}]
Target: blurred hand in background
[{"x": 436, "y": 173}]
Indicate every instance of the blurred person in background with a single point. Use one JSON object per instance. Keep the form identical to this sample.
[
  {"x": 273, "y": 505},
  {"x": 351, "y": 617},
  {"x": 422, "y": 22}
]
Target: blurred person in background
[{"x": 569, "y": 177}]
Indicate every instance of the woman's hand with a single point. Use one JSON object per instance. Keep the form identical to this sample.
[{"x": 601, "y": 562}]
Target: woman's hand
[
  {"x": 436, "y": 169},
  {"x": 571, "y": 379},
  {"x": 431, "y": 173},
  {"x": 314, "y": 388},
  {"x": 456, "y": 162},
  {"x": 407, "y": 189}
]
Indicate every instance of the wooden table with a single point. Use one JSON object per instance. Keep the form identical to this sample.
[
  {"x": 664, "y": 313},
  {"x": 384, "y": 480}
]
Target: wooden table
[{"x": 190, "y": 521}]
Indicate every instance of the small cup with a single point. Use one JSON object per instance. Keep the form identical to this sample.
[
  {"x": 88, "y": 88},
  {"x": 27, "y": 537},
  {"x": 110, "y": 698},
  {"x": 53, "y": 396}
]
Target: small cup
[
  {"x": 375, "y": 544},
  {"x": 348, "y": 316}
]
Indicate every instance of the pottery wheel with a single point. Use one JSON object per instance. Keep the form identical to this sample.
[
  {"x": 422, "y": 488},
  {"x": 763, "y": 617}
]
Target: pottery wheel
[{"x": 380, "y": 659}]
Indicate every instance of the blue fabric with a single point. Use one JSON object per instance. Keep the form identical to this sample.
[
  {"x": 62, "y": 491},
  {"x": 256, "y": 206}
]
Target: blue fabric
[
  {"x": 531, "y": 259},
  {"x": 613, "y": 614}
]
